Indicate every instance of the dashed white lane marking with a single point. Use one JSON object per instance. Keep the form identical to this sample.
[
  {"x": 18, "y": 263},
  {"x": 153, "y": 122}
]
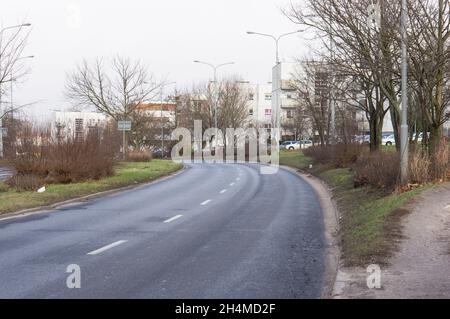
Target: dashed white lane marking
[
  {"x": 238, "y": 179},
  {"x": 100, "y": 250},
  {"x": 232, "y": 184},
  {"x": 205, "y": 202},
  {"x": 223, "y": 191},
  {"x": 172, "y": 219},
  {"x": 447, "y": 207}
]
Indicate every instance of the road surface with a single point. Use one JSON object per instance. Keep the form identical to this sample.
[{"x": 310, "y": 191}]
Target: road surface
[{"x": 213, "y": 231}]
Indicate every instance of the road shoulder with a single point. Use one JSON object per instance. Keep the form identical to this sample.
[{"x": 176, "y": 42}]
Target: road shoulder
[{"x": 331, "y": 223}]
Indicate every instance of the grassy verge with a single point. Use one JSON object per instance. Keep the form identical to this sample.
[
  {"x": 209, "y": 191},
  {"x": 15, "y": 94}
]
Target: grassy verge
[
  {"x": 295, "y": 159},
  {"x": 370, "y": 218},
  {"x": 126, "y": 174}
]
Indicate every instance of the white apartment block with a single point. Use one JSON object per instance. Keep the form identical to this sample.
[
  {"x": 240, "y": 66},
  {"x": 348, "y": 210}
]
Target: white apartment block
[
  {"x": 259, "y": 103},
  {"x": 75, "y": 124}
]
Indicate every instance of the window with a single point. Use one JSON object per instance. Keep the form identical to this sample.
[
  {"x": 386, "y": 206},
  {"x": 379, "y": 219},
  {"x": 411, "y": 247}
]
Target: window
[
  {"x": 251, "y": 96},
  {"x": 289, "y": 114},
  {"x": 289, "y": 96},
  {"x": 268, "y": 97},
  {"x": 268, "y": 112},
  {"x": 78, "y": 125},
  {"x": 250, "y": 111}
]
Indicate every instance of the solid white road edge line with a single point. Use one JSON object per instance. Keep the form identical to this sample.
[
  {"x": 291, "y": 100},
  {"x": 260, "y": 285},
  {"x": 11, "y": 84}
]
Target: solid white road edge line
[
  {"x": 223, "y": 191},
  {"x": 100, "y": 250},
  {"x": 205, "y": 202},
  {"x": 173, "y": 218}
]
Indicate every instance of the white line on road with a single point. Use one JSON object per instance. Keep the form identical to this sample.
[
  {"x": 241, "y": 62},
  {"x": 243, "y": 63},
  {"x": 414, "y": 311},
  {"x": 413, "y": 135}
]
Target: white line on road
[
  {"x": 205, "y": 202},
  {"x": 238, "y": 179},
  {"x": 172, "y": 219},
  {"x": 232, "y": 184},
  {"x": 223, "y": 191},
  {"x": 100, "y": 250}
]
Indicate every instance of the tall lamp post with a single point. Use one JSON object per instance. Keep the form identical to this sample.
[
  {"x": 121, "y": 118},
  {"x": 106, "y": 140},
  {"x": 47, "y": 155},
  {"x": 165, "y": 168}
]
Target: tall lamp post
[
  {"x": 214, "y": 67},
  {"x": 276, "y": 39},
  {"x": 1, "y": 128},
  {"x": 404, "y": 147},
  {"x": 276, "y": 83},
  {"x": 162, "y": 122}
]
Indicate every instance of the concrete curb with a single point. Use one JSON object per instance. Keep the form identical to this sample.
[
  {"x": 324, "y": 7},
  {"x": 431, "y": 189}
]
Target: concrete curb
[
  {"x": 77, "y": 200},
  {"x": 331, "y": 222}
]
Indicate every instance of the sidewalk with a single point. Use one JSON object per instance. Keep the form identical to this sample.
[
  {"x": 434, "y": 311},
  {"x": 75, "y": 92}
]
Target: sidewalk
[{"x": 421, "y": 267}]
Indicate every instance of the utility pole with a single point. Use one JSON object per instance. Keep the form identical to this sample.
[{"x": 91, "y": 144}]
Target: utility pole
[
  {"x": 332, "y": 101},
  {"x": 161, "y": 116},
  {"x": 404, "y": 147}
]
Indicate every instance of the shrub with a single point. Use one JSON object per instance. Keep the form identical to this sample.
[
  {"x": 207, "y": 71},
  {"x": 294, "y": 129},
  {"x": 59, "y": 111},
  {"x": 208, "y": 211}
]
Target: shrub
[
  {"x": 63, "y": 161},
  {"x": 419, "y": 167},
  {"x": 340, "y": 155},
  {"x": 441, "y": 162},
  {"x": 26, "y": 182},
  {"x": 378, "y": 169},
  {"x": 139, "y": 156}
]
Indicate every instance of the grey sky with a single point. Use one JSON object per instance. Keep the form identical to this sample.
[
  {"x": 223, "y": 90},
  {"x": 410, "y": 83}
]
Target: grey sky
[{"x": 167, "y": 35}]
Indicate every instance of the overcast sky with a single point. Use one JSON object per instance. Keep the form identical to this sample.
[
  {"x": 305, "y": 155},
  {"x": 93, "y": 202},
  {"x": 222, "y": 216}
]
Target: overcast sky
[{"x": 167, "y": 35}]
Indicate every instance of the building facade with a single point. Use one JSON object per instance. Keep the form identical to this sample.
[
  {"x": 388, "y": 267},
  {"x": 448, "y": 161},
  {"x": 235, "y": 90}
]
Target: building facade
[{"x": 68, "y": 124}]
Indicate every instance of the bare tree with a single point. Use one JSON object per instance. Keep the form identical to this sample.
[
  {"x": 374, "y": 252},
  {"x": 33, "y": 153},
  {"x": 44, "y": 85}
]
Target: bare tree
[
  {"x": 116, "y": 91},
  {"x": 13, "y": 42},
  {"x": 311, "y": 82},
  {"x": 429, "y": 52},
  {"x": 368, "y": 54}
]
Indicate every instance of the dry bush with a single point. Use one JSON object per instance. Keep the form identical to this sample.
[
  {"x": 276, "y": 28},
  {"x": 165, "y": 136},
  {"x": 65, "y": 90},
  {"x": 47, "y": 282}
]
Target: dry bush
[
  {"x": 64, "y": 161},
  {"x": 25, "y": 182},
  {"x": 419, "y": 167},
  {"x": 139, "y": 156},
  {"x": 441, "y": 162},
  {"x": 379, "y": 169},
  {"x": 340, "y": 155}
]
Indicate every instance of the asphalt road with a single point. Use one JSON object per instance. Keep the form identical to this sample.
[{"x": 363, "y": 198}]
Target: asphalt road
[{"x": 213, "y": 231}]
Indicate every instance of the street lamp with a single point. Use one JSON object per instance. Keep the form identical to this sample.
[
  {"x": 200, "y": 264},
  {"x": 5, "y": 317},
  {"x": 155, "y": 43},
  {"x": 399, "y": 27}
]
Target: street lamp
[
  {"x": 1, "y": 33},
  {"x": 162, "y": 123},
  {"x": 276, "y": 39},
  {"x": 214, "y": 67},
  {"x": 404, "y": 147}
]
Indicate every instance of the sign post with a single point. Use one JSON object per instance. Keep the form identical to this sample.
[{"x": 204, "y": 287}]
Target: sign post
[{"x": 124, "y": 126}]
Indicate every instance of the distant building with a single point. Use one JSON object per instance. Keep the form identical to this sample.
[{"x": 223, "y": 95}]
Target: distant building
[
  {"x": 76, "y": 125},
  {"x": 158, "y": 110},
  {"x": 259, "y": 103}
]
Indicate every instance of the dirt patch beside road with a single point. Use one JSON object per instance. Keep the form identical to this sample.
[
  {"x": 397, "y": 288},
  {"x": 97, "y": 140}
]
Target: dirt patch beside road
[{"x": 421, "y": 266}]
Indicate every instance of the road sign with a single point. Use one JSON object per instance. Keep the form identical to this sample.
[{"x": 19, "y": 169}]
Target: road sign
[
  {"x": 3, "y": 132},
  {"x": 124, "y": 125}
]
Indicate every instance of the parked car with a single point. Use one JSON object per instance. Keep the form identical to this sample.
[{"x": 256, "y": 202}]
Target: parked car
[
  {"x": 419, "y": 137},
  {"x": 290, "y": 145},
  {"x": 388, "y": 140},
  {"x": 362, "y": 139},
  {"x": 306, "y": 144}
]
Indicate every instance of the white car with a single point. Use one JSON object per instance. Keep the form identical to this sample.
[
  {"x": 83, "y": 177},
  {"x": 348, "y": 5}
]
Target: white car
[
  {"x": 388, "y": 140},
  {"x": 306, "y": 144},
  {"x": 290, "y": 145}
]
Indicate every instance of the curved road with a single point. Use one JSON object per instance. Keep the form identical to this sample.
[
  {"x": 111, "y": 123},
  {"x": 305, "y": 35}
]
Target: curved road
[{"x": 213, "y": 231}]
